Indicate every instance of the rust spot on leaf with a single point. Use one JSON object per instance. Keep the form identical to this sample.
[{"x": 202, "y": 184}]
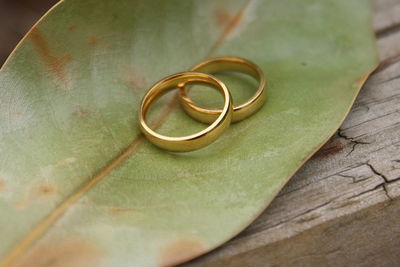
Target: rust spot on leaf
[
  {"x": 15, "y": 114},
  {"x": 81, "y": 113},
  {"x": 118, "y": 210},
  {"x": 222, "y": 17},
  {"x": 21, "y": 205},
  {"x": 234, "y": 22},
  {"x": 62, "y": 254},
  {"x": 363, "y": 78},
  {"x": 54, "y": 64},
  {"x": 332, "y": 147},
  {"x": 229, "y": 23},
  {"x": 93, "y": 42},
  {"x": 2, "y": 186},
  {"x": 47, "y": 190},
  {"x": 135, "y": 79},
  {"x": 180, "y": 250},
  {"x": 71, "y": 27}
]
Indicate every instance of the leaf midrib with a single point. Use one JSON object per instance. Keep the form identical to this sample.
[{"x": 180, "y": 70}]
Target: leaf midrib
[{"x": 48, "y": 221}]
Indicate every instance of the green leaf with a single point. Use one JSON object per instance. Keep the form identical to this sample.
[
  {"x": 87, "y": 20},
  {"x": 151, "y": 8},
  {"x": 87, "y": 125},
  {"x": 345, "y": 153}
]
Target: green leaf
[{"x": 79, "y": 185}]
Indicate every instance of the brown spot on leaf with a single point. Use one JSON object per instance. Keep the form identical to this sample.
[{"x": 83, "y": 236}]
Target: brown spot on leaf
[
  {"x": 81, "y": 113},
  {"x": 55, "y": 64},
  {"x": 93, "y": 42},
  {"x": 47, "y": 190},
  {"x": 62, "y": 254},
  {"x": 222, "y": 17},
  {"x": 228, "y": 23},
  {"x": 2, "y": 186},
  {"x": 180, "y": 250},
  {"x": 363, "y": 78},
  {"x": 118, "y": 210},
  {"x": 332, "y": 147},
  {"x": 21, "y": 205},
  {"x": 234, "y": 22},
  {"x": 71, "y": 27},
  {"x": 15, "y": 114},
  {"x": 136, "y": 79}
]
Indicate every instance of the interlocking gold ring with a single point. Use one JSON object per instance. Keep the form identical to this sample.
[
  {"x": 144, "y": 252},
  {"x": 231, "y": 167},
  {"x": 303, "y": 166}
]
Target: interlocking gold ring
[
  {"x": 220, "y": 64},
  {"x": 194, "y": 141}
]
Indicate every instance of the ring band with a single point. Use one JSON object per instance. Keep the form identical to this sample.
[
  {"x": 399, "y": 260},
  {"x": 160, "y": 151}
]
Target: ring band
[
  {"x": 194, "y": 141},
  {"x": 208, "y": 115}
]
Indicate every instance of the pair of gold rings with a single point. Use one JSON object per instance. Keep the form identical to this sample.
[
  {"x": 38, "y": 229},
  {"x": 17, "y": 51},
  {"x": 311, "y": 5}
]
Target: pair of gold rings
[{"x": 219, "y": 119}]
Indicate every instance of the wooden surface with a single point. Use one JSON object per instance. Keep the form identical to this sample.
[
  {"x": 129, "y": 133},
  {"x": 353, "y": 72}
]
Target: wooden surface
[{"x": 343, "y": 207}]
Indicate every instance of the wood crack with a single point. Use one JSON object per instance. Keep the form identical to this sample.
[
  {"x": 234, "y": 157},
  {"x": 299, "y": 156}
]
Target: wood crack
[
  {"x": 387, "y": 63},
  {"x": 352, "y": 140},
  {"x": 391, "y": 79},
  {"x": 376, "y": 172},
  {"x": 382, "y": 33},
  {"x": 353, "y": 178},
  {"x": 375, "y": 188},
  {"x": 370, "y": 120},
  {"x": 308, "y": 184},
  {"x": 385, "y": 179},
  {"x": 301, "y": 220},
  {"x": 368, "y": 187}
]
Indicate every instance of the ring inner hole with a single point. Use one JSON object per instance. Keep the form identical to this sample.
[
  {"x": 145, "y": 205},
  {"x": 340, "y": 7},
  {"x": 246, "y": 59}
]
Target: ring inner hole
[
  {"x": 242, "y": 87},
  {"x": 177, "y": 123}
]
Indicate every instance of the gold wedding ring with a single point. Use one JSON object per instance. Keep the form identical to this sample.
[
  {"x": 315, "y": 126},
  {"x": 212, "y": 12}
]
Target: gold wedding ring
[
  {"x": 194, "y": 141},
  {"x": 208, "y": 115}
]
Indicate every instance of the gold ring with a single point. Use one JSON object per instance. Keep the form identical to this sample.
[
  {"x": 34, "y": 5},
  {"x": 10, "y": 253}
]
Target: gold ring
[
  {"x": 207, "y": 115},
  {"x": 194, "y": 141}
]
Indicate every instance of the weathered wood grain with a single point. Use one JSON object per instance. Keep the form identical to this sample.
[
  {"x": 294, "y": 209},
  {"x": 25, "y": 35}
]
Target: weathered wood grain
[
  {"x": 342, "y": 207},
  {"x": 362, "y": 238}
]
